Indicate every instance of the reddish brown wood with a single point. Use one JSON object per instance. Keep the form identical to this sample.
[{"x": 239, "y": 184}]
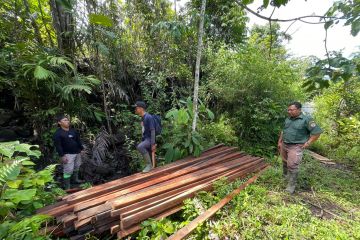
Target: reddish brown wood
[
  {"x": 133, "y": 179},
  {"x": 146, "y": 195},
  {"x": 130, "y": 210},
  {"x": 93, "y": 211},
  {"x": 129, "y": 220},
  {"x": 60, "y": 210},
  {"x": 114, "y": 229},
  {"x": 139, "y": 206},
  {"x": 134, "y": 219},
  {"x": 50, "y": 207},
  {"x": 185, "y": 231},
  {"x": 126, "y": 232},
  {"x": 97, "y": 201},
  {"x": 174, "y": 183},
  {"x": 73, "y": 190}
]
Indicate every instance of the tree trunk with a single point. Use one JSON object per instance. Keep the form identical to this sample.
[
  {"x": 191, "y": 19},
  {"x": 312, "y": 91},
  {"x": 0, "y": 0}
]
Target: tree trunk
[
  {"x": 44, "y": 22},
  {"x": 197, "y": 67},
  {"x": 33, "y": 22},
  {"x": 63, "y": 22}
]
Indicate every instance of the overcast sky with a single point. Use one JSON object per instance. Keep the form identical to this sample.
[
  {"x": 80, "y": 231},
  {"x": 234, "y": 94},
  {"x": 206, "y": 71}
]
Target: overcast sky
[{"x": 308, "y": 39}]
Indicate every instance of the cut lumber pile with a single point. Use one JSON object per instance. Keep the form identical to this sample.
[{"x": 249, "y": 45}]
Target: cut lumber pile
[{"x": 121, "y": 205}]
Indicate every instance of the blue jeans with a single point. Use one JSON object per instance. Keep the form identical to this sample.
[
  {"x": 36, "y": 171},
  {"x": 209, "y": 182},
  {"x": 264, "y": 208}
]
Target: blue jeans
[{"x": 144, "y": 147}]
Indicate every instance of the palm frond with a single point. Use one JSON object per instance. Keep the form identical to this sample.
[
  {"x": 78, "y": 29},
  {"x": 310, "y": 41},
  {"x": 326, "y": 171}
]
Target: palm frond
[
  {"x": 10, "y": 171},
  {"x": 42, "y": 73},
  {"x": 68, "y": 89},
  {"x": 57, "y": 61},
  {"x": 101, "y": 145},
  {"x": 91, "y": 79},
  {"x": 28, "y": 227},
  {"x": 117, "y": 91},
  {"x": 51, "y": 168}
]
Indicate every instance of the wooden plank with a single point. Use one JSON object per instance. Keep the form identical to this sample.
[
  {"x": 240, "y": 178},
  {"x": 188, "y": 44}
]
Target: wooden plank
[
  {"x": 153, "y": 200},
  {"x": 133, "y": 219},
  {"x": 114, "y": 229},
  {"x": 144, "y": 205},
  {"x": 116, "y": 184},
  {"x": 141, "y": 205},
  {"x": 50, "y": 207},
  {"x": 126, "y": 232},
  {"x": 93, "y": 211},
  {"x": 107, "y": 214},
  {"x": 60, "y": 210},
  {"x": 175, "y": 183},
  {"x": 185, "y": 231},
  {"x": 101, "y": 199},
  {"x": 81, "y": 223},
  {"x": 321, "y": 159},
  {"x": 63, "y": 207},
  {"x": 60, "y": 219}
]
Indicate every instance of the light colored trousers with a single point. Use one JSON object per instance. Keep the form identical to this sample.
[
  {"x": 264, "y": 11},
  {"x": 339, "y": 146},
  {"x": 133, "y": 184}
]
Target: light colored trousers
[{"x": 73, "y": 164}]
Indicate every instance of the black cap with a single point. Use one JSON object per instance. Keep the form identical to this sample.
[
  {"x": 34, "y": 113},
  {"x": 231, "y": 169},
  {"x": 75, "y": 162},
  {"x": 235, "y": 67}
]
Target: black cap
[
  {"x": 60, "y": 117},
  {"x": 140, "y": 104}
]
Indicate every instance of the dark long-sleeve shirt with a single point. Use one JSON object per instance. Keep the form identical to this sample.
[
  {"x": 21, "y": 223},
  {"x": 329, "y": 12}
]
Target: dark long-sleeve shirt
[
  {"x": 67, "y": 142},
  {"x": 149, "y": 128}
]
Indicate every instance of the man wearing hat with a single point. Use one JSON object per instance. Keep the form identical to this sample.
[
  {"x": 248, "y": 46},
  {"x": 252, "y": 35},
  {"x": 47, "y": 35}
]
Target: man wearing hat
[
  {"x": 68, "y": 146},
  {"x": 147, "y": 145}
]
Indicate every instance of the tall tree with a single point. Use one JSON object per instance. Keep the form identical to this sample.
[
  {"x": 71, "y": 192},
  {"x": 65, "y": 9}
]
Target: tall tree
[
  {"x": 64, "y": 25},
  {"x": 197, "y": 67}
]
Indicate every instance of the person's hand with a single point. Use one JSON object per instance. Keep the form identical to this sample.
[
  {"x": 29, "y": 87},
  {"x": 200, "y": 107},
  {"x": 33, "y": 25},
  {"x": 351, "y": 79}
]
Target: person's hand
[
  {"x": 279, "y": 146},
  {"x": 64, "y": 159},
  {"x": 306, "y": 145},
  {"x": 153, "y": 148}
]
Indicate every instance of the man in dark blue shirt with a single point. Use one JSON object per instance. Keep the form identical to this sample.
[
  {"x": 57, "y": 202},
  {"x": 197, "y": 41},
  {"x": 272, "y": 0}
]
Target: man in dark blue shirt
[
  {"x": 68, "y": 146},
  {"x": 147, "y": 145}
]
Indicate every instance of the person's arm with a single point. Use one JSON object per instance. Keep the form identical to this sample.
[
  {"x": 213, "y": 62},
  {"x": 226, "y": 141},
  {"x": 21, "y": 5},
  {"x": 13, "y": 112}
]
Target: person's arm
[
  {"x": 315, "y": 132},
  {"x": 280, "y": 140},
  {"x": 312, "y": 139},
  {"x": 151, "y": 126},
  {"x": 78, "y": 141},
  {"x": 152, "y": 140},
  {"x": 59, "y": 148}
]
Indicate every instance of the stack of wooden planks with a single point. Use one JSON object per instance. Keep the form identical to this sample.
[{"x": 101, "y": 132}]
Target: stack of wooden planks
[{"x": 120, "y": 206}]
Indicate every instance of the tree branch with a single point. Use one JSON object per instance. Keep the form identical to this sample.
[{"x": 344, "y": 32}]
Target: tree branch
[
  {"x": 271, "y": 37},
  {"x": 286, "y": 20}
]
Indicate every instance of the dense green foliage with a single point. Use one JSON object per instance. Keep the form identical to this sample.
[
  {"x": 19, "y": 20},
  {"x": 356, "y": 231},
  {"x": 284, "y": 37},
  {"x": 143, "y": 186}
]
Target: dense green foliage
[
  {"x": 23, "y": 191},
  {"x": 254, "y": 86},
  {"x": 93, "y": 59}
]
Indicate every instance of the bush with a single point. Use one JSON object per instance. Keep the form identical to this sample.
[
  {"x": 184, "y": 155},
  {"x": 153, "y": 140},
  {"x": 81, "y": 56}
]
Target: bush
[
  {"x": 337, "y": 110},
  {"x": 254, "y": 90},
  {"x": 220, "y": 132},
  {"x": 23, "y": 191}
]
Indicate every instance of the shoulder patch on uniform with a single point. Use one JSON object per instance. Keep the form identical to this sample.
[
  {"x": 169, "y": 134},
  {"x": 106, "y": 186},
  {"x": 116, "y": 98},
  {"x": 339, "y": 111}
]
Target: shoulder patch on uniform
[{"x": 312, "y": 124}]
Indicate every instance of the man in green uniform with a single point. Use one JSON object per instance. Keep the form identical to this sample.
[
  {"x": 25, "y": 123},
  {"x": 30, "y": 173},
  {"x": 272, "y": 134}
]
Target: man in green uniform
[{"x": 298, "y": 133}]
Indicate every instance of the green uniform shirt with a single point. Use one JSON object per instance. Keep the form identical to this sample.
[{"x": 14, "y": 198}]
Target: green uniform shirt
[{"x": 299, "y": 129}]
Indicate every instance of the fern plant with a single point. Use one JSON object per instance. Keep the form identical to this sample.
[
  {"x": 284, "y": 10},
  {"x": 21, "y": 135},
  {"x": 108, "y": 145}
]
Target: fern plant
[{"x": 23, "y": 191}]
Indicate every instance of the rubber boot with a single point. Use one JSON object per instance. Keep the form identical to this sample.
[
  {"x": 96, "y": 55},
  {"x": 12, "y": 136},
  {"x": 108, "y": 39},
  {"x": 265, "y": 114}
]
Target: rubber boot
[
  {"x": 292, "y": 181},
  {"x": 148, "y": 162},
  {"x": 75, "y": 178},
  {"x": 67, "y": 183}
]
